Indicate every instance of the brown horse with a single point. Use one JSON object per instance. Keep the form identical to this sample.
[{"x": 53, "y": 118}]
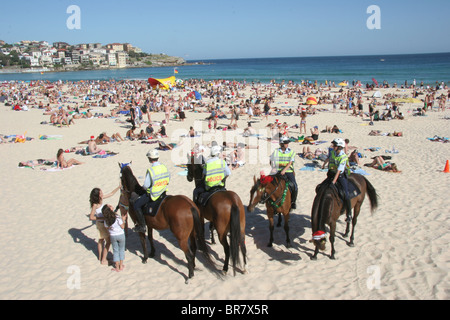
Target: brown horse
[
  {"x": 328, "y": 207},
  {"x": 226, "y": 213},
  {"x": 124, "y": 203},
  {"x": 178, "y": 213},
  {"x": 274, "y": 192}
]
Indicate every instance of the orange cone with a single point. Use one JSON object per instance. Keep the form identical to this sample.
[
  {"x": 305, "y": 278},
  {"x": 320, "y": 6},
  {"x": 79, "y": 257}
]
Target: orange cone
[{"x": 447, "y": 167}]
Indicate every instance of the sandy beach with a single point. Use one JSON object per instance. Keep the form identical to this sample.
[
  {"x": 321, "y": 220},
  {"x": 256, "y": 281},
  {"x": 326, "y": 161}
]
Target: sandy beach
[{"x": 401, "y": 250}]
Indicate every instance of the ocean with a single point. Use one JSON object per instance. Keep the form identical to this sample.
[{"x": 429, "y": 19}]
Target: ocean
[{"x": 426, "y": 68}]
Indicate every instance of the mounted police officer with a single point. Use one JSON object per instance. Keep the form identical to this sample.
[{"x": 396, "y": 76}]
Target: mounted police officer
[
  {"x": 339, "y": 171},
  {"x": 215, "y": 171},
  {"x": 156, "y": 182},
  {"x": 282, "y": 161}
]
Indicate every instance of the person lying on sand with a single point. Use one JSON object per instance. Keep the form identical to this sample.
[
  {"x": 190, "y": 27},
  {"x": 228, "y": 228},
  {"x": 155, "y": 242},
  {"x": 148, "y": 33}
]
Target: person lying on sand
[{"x": 380, "y": 164}]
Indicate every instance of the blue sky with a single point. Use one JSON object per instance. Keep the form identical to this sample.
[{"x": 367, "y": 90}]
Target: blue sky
[{"x": 199, "y": 29}]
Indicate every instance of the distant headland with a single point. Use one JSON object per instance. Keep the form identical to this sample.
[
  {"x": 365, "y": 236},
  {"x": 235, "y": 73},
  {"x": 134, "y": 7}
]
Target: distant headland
[{"x": 40, "y": 56}]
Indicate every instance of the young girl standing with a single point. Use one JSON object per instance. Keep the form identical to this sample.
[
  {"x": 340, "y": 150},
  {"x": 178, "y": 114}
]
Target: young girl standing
[
  {"x": 303, "y": 116},
  {"x": 115, "y": 226},
  {"x": 96, "y": 201}
]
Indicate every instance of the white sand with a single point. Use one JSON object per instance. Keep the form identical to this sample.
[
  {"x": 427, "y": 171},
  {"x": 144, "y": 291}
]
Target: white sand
[{"x": 401, "y": 251}]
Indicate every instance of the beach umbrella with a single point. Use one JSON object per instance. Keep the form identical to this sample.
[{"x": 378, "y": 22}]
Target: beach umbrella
[
  {"x": 311, "y": 101},
  {"x": 377, "y": 94},
  {"x": 413, "y": 100},
  {"x": 343, "y": 84},
  {"x": 375, "y": 81}
]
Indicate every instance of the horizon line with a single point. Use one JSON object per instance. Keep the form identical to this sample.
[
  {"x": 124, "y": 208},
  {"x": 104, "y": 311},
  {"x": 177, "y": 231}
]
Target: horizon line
[{"x": 324, "y": 56}]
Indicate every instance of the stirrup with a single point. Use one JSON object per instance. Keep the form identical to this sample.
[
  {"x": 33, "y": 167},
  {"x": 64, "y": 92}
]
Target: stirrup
[{"x": 139, "y": 228}]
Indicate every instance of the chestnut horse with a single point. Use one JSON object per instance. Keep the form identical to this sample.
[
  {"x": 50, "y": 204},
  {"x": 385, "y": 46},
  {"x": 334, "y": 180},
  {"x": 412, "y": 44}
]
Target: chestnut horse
[
  {"x": 328, "y": 207},
  {"x": 178, "y": 213},
  {"x": 273, "y": 191},
  {"x": 226, "y": 213}
]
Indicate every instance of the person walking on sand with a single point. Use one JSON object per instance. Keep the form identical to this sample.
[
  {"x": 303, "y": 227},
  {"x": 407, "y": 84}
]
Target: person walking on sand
[
  {"x": 115, "y": 225},
  {"x": 167, "y": 111}
]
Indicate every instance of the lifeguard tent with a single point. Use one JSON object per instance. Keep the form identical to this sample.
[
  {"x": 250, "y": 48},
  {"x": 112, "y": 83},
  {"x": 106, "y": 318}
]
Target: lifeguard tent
[{"x": 164, "y": 84}]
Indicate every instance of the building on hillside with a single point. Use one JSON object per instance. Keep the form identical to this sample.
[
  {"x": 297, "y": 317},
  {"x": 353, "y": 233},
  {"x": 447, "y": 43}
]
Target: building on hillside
[{"x": 122, "y": 58}]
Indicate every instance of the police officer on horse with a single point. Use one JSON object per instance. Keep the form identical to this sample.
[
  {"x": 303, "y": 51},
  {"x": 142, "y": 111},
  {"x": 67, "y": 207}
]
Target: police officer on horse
[
  {"x": 282, "y": 160},
  {"x": 339, "y": 171},
  {"x": 156, "y": 182},
  {"x": 215, "y": 171}
]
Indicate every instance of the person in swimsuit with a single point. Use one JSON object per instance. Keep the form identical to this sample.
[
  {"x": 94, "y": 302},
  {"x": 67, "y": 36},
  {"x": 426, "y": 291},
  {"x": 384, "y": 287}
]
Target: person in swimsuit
[{"x": 62, "y": 163}]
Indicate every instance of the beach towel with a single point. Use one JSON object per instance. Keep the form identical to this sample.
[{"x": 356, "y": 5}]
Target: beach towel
[
  {"x": 183, "y": 173},
  {"x": 310, "y": 167},
  {"x": 306, "y": 168},
  {"x": 56, "y": 169},
  {"x": 438, "y": 139},
  {"x": 360, "y": 171},
  {"x": 105, "y": 154},
  {"x": 50, "y": 137}
]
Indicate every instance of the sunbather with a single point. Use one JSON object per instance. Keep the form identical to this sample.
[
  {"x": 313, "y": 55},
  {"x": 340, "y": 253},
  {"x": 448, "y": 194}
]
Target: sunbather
[{"x": 380, "y": 164}]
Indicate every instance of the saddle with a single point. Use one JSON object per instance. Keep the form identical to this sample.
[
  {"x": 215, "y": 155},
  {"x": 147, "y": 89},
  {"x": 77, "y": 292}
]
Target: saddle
[
  {"x": 204, "y": 197},
  {"x": 289, "y": 184},
  {"x": 152, "y": 208},
  {"x": 353, "y": 190}
]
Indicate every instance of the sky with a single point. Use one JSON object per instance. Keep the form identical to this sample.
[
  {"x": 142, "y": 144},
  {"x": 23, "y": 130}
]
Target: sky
[{"x": 200, "y": 29}]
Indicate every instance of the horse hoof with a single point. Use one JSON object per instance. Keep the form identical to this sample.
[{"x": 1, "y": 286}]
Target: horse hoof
[
  {"x": 187, "y": 281},
  {"x": 351, "y": 244},
  {"x": 313, "y": 258},
  {"x": 224, "y": 273},
  {"x": 269, "y": 245},
  {"x": 288, "y": 245},
  {"x": 144, "y": 260}
]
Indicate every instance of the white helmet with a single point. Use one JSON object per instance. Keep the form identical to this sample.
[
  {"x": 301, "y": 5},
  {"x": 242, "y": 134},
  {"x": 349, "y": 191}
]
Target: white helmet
[
  {"x": 339, "y": 142},
  {"x": 153, "y": 154},
  {"x": 215, "y": 151}
]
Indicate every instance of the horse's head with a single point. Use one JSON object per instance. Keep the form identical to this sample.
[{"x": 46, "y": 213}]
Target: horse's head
[
  {"x": 259, "y": 192},
  {"x": 123, "y": 165},
  {"x": 195, "y": 166},
  {"x": 319, "y": 239},
  {"x": 129, "y": 182}
]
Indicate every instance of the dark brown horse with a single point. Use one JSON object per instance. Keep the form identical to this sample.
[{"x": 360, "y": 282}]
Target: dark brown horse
[
  {"x": 328, "y": 207},
  {"x": 178, "y": 213},
  {"x": 273, "y": 191},
  {"x": 226, "y": 213}
]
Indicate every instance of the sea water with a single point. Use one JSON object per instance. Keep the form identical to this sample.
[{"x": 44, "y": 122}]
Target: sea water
[{"x": 426, "y": 68}]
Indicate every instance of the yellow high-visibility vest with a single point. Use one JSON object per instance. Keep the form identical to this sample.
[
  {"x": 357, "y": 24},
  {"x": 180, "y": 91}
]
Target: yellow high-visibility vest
[
  {"x": 281, "y": 160},
  {"x": 336, "y": 160},
  {"x": 160, "y": 177},
  {"x": 215, "y": 173}
]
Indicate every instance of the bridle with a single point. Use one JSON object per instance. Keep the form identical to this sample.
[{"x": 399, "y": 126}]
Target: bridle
[{"x": 266, "y": 197}]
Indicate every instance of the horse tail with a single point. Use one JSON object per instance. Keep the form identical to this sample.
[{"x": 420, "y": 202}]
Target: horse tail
[
  {"x": 200, "y": 236},
  {"x": 235, "y": 235},
  {"x": 373, "y": 196}
]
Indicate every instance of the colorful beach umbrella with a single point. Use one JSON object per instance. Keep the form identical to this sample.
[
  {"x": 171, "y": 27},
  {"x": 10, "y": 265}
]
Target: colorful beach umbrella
[
  {"x": 311, "y": 101},
  {"x": 375, "y": 81},
  {"x": 343, "y": 84}
]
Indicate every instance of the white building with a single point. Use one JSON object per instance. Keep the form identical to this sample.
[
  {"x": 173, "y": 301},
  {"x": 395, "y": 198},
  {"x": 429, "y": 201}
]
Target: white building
[{"x": 112, "y": 60}]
